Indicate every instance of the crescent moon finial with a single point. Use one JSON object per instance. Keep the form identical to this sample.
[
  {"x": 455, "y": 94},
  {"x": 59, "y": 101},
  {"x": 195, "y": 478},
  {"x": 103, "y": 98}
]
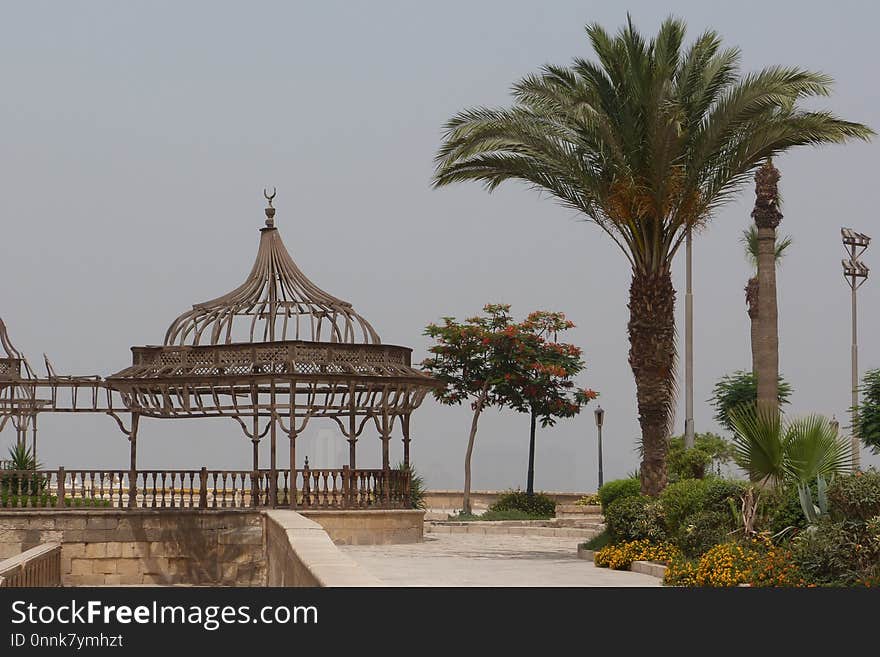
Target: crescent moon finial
[{"x": 270, "y": 211}]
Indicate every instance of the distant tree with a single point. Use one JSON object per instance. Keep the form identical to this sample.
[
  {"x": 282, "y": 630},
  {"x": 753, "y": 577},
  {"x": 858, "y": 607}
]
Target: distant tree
[
  {"x": 868, "y": 413},
  {"x": 709, "y": 453},
  {"x": 540, "y": 381},
  {"x": 466, "y": 357},
  {"x": 739, "y": 389}
]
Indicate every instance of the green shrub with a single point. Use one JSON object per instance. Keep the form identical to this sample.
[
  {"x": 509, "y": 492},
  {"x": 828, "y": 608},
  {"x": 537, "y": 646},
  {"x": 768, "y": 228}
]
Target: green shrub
[
  {"x": 703, "y": 530},
  {"x": 682, "y": 499},
  {"x": 8, "y": 500},
  {"x": 634, "y": 518},
  {"x": 537, "y": 505},
  {"x": 709, "y": 453},
  {"x": 417, "y": 490},
  {"x": 827, "y": 554},
  {"x": 855, "y": 496},
  {"x": 781, "y": 510},
  {"x": 685, "y": 498},
  {"x": 719, "y": 491},
  {"x": 510, "y": 514},
  {"x": 617, "y": 489}
]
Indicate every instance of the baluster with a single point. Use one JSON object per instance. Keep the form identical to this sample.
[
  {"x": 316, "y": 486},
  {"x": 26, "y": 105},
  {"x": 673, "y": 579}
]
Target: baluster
[
  {"x": 120, "y": 478},
  {"x": 214, "y": 492},
  {"x": 335, "y": 492},
  {"x": 285, "y": 500},
  {"x": 307, "y": 498},
  {"x": 101, "y": 486},
  {"x": 223, "y": 474},
  {"x": 172, "y": 489}
]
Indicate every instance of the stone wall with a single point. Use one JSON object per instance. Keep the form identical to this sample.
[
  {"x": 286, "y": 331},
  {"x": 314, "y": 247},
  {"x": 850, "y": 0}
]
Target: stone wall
[
  {"x": 144, "y": 547},
  {"x": 483, "y": 499},
  {"x": 300, "y": 553},
  {"x": 373, "y": 527}
]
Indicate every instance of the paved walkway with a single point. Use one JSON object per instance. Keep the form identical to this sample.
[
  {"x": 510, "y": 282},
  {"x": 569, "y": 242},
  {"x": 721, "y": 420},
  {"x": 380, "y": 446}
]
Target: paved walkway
[{"x": 486, "y": 560}]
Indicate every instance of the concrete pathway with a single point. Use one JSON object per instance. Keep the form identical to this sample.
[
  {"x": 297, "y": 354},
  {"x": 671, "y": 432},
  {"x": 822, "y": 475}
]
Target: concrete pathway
[{"x": 488, "y": 560}]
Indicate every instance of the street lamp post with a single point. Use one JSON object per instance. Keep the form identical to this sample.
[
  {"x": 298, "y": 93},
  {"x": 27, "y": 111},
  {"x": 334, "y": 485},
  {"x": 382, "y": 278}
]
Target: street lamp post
[
  {"x": 600, "y": 416},
  {"x": 855, "y": 272},
  {"x": 689, "y": 345}
]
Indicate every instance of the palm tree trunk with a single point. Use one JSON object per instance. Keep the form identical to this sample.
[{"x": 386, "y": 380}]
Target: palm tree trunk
[
  {"x": 767, "y": 352},
  {"x": 478, "y": 408},
  {"x": 752, "y": 301},
  {"x": 767, "y": 217},
  {"x": 530, "y": 478},
  {"x": 652, "y": 359}
]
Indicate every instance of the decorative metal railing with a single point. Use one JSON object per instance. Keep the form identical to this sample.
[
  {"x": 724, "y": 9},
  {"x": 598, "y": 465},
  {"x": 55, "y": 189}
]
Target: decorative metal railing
[
  {"x": 39, "y": 566},
  {"x": 309, "y": 488}
]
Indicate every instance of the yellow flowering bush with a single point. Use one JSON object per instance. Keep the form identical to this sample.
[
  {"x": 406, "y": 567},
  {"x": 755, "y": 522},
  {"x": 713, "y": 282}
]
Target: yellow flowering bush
[
  {"x": 681, "y": 572},
  {"x": 726, "y": 564},
  {"x": 591, "y": 499},
  {"x": 620, "y": 556},
  {"x": 757, "y": 562},
  {"x": 776, "y": 567}
]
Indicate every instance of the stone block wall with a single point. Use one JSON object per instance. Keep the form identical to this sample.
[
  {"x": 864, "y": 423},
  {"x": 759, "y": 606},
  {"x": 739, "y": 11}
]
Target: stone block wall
[
  {"x": 371, "y": 527},
  {"x": 225, "y": 548}
]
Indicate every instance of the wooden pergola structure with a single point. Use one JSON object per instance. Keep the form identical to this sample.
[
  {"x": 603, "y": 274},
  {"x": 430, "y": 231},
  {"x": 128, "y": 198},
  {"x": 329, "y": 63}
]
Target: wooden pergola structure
[{"x": 271, "y": 354}]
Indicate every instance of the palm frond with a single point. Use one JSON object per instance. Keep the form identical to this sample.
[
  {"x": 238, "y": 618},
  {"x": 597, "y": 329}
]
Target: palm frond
[
  {"x": 813, "y": 449},
  {"x": 757, "y": 446},
  {"x": 749, "y": 241}
]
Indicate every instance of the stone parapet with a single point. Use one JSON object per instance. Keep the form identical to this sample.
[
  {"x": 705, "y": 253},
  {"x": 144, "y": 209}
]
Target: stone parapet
[{"x": 299, "y": 553}]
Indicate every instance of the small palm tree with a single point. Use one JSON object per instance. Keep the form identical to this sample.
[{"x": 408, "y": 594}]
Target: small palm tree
[
  {"x": 22, "y": 479},
  {"x": 775, "y": 452},
  {"x": 646, "y": 143}
]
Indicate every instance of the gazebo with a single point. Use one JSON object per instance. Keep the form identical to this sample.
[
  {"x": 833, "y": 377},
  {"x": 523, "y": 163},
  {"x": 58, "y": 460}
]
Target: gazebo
[{"x": 272, "y": 354}]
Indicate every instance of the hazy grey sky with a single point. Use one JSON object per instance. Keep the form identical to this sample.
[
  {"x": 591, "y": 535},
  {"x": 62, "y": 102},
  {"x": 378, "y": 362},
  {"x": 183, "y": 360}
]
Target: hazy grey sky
[{"x": 137, "y": 137}]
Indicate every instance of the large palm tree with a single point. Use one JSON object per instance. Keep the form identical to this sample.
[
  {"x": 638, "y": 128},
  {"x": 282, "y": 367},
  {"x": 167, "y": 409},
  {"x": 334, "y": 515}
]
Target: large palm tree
[
  {"x": 645, "y": 142},
  {"x": 750, "y": 241}
]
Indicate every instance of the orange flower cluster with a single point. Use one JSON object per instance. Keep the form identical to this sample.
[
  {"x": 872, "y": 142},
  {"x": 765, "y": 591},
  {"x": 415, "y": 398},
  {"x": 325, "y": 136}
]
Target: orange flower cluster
[{"x": 621, "y": 555}]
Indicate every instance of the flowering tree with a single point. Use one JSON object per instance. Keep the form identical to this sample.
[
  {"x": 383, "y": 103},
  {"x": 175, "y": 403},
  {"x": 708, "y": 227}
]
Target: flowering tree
[
  {"x": 490, "y": 360},
  {"x": 539, "y": 381},
  {"x": 467, "y": 359}
]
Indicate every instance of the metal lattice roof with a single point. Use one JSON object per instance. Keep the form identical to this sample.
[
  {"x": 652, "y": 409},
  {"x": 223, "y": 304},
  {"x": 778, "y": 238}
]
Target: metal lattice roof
[{"x": 276, "y": 302}]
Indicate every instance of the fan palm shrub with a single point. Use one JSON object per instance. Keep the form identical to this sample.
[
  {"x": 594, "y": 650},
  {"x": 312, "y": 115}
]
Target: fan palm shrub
[{"x": 797, "y": 452}]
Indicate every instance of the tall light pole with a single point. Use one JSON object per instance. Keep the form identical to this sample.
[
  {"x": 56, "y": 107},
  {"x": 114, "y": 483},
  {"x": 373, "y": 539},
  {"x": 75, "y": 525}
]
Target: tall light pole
[
  {"x": 688, "y": 347},
  {"x": 600, "y": 416},
  {"x": 855, "y": 272}
]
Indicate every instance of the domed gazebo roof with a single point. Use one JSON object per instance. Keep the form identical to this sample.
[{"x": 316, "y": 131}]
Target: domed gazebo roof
[
  {"x": 275, "y": 303},
  {"x": 276, "y": 335}
]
